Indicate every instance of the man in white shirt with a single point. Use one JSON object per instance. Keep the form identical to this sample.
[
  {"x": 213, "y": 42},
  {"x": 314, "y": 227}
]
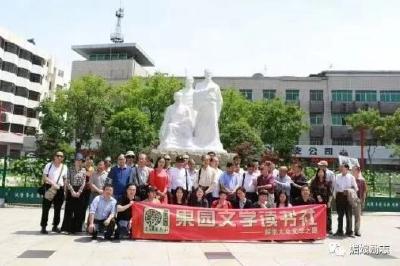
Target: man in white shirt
[
  {"x": 248, "y": 180},
  {"x": 179, "y": 177},
  {"x": 343, "y": 182},
  {"x": 207, "y": 178},
  {"x": 54, "y": 175},
  {"x": 214, "y": 163}
]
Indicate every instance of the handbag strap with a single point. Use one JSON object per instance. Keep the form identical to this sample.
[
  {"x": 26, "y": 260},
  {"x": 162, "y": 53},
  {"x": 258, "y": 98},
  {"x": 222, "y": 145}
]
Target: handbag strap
[
  {"x": 62, "y": 168},
  {"x": 244, "y": 176},
  {"x": 186, "y": 176}
]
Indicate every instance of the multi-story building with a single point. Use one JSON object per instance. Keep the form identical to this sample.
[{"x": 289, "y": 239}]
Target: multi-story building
[
  {"x": 115, "y": 62},
  {"x": 327, "y": 98},
  {"x": 27, "y": 75}
]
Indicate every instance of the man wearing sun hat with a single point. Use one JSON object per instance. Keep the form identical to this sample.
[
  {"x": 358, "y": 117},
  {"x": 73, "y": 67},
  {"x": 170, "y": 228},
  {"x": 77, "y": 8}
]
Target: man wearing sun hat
[{"x": 330, "y": 177}]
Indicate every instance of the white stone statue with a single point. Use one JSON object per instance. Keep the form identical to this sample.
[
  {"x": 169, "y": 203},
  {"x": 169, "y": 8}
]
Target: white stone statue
[
  {"x": 191, "y": 123},
  {"x": 207, "y": 102},
  {"x": 176, "y": 131}
]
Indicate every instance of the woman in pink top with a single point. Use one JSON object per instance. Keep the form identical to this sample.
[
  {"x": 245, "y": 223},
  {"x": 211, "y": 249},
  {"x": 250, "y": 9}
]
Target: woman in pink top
[
  {"x": 158, "y": 179},
  {"x": 222, "y": 202}
]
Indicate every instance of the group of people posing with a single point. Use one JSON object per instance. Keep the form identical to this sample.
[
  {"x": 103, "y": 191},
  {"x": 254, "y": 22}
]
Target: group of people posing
[{"x": 110, "y": 191}]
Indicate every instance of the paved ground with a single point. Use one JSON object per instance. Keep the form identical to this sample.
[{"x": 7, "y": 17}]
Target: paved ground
[{"x": 19, "y": 234}]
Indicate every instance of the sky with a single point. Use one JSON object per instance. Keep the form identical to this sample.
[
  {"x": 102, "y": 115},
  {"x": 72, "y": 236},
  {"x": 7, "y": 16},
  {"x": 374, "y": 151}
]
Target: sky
[{"x": 229, "y": 37}]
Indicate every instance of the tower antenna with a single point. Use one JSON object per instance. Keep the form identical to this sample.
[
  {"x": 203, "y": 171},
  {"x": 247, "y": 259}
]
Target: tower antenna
[{"x": 117, "y": 36}]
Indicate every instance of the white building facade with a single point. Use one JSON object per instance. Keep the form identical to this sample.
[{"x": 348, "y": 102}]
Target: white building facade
[{"x": 27, "y": 75}]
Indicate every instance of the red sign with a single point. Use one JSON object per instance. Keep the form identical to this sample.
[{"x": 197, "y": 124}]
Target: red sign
[{"x": 173, "y": 222}]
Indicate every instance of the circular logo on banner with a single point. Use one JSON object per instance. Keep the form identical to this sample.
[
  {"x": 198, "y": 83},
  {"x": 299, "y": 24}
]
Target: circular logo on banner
[
  {"x": 155, "y": 220},
  {"x": 153, "y": 217}
]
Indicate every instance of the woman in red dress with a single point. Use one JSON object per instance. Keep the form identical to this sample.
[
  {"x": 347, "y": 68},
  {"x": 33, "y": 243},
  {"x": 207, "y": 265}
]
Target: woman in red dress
[{"x": 159, "y": 180}]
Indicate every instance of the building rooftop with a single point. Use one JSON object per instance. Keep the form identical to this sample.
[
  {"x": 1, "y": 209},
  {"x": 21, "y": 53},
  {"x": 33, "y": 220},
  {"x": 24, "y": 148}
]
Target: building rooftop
[
  {"x": 355, "y": 72},
  {"x": 131, "y": 50}
]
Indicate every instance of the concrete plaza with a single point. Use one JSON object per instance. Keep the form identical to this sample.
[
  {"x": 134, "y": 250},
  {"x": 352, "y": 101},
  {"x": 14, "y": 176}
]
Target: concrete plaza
[{"x": 20, "y": 239}]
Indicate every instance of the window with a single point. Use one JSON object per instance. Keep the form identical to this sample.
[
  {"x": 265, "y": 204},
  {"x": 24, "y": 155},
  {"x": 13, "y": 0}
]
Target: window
[
  {"x": 60, "y": 73},
  {"x": 19, "y": 109},
  {"x": 7, "y": 106},
  {"x": 22, "y": 72},
  {"x": 247, "y": 93},
  {"x": 11, "y": 48},
  {"x": 342, "y": 96},
  {"x": 35, "y": 78},
  {"x": 316, "y": 119},
  {"x": 269, "y": 94},
  {"x": 7, "y": 86},
  {"x": 316, "y": 141},
  {"x": 17, "y": 128},
  {"x": 34, "y": 96},
  {"x": 366, "y": 96},
  {"x": 292, "y": 95},
  {"x": 24, "y": 54},
  {"x": 37, "y": 60},
  {"x": 9, "y": 67},
  {"x": 31, "y": 113},
  {"x": 316, "y": 95},
  {"x": 342, "y": 142},
  {"x": 339, "y": 119},
  {"x": 30, "y": 131},
  {"x": 390, "y": 96},
  {"x": 21, "y": 91},
  {"x": 2, "y": 43},
  {"x": 4, "y": 127}
]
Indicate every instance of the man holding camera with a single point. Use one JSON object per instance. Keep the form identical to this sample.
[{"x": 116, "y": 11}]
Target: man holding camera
[{"x": 54, "y": 175}]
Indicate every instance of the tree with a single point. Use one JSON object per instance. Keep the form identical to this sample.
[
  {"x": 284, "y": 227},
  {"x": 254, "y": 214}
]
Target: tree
[
  {"x": 279, "y": 125},
  {"x": 57, "y": 133},
  {"x": 86, "y": 107},
  {"x": 241, "y": 138},
  {"x": 362, "y": 121},
  {"x": 388, "y": 131},
  {"x": 151, "y": 95},
  {"x": 128, "y": 129},
  {"x": 234, "y": 108}
]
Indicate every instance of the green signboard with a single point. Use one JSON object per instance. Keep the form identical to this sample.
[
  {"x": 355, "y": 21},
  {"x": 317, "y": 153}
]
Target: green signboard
[
  {"x": 25, "y": 195},
  {"x": 382, "y": 204}
]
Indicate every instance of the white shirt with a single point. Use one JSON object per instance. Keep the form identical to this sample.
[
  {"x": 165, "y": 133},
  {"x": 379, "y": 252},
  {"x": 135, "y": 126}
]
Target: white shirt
[
  {"x": 344, "y": 182},
  {"x": 275, "y": 173},
  {"x": 53, "y": 172},
  {"x": 178, "y": 178},
  {"x": 330, "y": 176},
  {"x": 215, "y": 192},
  {"x": 250, "y": 181}
]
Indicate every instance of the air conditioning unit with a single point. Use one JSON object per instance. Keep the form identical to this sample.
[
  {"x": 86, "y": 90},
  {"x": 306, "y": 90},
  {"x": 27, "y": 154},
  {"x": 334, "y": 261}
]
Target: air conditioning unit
[{"x": 5, "y": 117}]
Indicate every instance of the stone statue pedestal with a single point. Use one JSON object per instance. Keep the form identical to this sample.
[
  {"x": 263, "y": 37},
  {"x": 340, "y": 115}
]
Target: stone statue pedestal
[{"x": 195, "y": 155}]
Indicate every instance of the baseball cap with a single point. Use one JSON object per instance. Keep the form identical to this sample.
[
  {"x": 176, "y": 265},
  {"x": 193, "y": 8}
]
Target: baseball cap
[
  {"x": 130, "y": 153},
  {"x": 79, "y": 157}
]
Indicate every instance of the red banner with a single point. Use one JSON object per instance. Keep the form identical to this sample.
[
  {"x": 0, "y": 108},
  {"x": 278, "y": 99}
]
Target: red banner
[{"x": 174, "y": 222}]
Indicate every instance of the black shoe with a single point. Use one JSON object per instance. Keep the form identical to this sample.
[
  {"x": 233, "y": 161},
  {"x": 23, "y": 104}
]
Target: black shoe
[
  {"x": 357, "y": 234},
  {"x": 44, "y": 231},
  {"x": 339, "y": 234},
  {"x": 94, "y": 236},
  {"x": 350, "y": 234},
  {"x": 55, "y": 229},
  {"x": 330, "y": 232},
  {"x": 116, "y": 236}
]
